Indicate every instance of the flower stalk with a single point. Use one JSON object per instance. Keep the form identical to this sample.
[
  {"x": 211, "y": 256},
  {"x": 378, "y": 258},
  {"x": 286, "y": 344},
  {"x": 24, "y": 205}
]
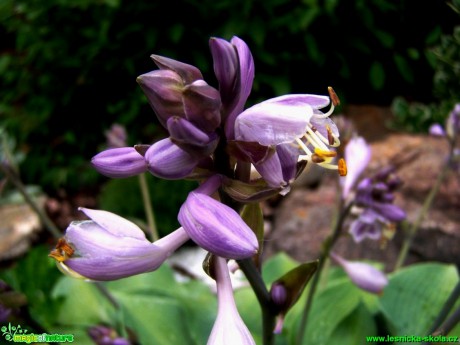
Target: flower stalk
[{"x": 328, "y": 245}]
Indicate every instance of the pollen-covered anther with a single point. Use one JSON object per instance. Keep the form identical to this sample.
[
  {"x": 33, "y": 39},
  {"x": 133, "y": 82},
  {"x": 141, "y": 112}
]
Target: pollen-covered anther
[
  {"x": 334, "y": 98},
  {"x": 62, "y": 252},
  {"x": 342, "y": 167}
]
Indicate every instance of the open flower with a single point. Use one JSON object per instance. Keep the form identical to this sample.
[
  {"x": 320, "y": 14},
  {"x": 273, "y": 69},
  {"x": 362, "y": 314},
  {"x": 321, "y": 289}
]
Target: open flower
[
  {"x": 363, "y": 275},
  {"x": 109, "y": 247},
  {"x": 229, "y": 328},
  {"x": 292, "y": 120}
]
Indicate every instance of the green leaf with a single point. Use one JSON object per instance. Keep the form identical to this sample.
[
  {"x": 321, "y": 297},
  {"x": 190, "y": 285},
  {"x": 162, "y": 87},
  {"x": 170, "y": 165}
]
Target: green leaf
[
  {"x": 354, "y": 328},
  {"x": 404, "y": 68},
  {"x": 81, "y": 303},
  {"x": 294, "y": 282},
  {"x": 155, "y": 320},
  {"x": 276, "y": 266},
  {"x": 415, "y": 295},
  {"x": 377, "y": 75},
  {"x": 330, "y": 307}
]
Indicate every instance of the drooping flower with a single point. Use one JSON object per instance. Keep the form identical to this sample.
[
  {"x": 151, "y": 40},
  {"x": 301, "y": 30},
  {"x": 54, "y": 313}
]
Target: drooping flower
[
  {"x": 357, "y": 155},
  {"x": 109, "y": 247},
  {"x": 363, "y": 275},
  {"x": 229, "y": 328},
  {"x": 452, "y": 125}
]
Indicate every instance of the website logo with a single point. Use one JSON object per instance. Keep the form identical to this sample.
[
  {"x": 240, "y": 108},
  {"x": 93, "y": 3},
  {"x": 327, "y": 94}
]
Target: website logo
[{"x": 17, "y": 334}]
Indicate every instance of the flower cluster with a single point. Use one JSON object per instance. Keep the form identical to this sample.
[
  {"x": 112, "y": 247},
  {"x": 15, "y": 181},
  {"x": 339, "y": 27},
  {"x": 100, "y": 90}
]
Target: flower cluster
[
  {"x": 212, "y": 138},
  {"x": 374, "y": 198}
]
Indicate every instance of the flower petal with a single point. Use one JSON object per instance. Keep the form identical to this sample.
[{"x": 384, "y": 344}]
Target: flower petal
[
  {"x": 167, "y": 160},
  {"x": 216, "y": 227},
  {"x": 272, "y": 122},
  {"x": 119, "y": 163}
]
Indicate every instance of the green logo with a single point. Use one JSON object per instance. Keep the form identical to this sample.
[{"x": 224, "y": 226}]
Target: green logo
[
  {"x": 10, "y": 331},
  {"x": 17, "y": 334}
]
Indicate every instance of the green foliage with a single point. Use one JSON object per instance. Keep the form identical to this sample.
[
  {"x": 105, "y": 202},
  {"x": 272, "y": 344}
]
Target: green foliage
[
  {"x": 445, "y": 57},
  {"x": 158, "y": 309}
]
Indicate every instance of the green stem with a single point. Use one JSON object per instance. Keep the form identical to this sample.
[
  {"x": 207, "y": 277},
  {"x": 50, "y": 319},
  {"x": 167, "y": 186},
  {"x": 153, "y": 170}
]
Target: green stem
[
  {"x": 14, "y": 178},
  {"x": 263, "y": 296},
  {"x": 148, "y": 208},
  {"x": 119, "y": 317},
  {"x": 328, "y": 244},
  {"x": 421, "y": 215},
  {"x": 455, "y": 294}
]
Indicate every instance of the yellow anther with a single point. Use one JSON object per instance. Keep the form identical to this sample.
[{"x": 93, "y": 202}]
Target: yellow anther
[
  {"x": 62, "y": 252},
  {"x": 325, "y": 153},
  {"x": 342, "y": 167},
  {"x": 334, "y": 98}
]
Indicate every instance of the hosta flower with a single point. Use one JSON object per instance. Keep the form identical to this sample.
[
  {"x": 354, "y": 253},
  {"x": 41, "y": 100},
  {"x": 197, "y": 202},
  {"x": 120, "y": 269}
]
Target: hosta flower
[
  {"x": 293, "y": 120},
  {"x": 119, "y": 162},
  {"x": 363, "y": 275},
  {"x": 109, "y": 247},
  {"x": 229, "y": 328},
  {"x": 357, "y": 155},
  {"x": 216, "y": 227},
  {"x": 374, "y": 200},
  {"x": 452, "y": 125}
]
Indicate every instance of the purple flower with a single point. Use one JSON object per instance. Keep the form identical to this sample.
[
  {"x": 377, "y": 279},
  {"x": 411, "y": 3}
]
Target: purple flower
[
  {"x": 103, "y": 335},
  {"x": 229, "y": 328},
  {"x": 116, "y": 136},
  {"x": 167, "y": 160},
  {"x": 119, "y": 162},
  {"x": 452, "y": 125},
  {"x": 109, "y": 247},
  {"x": 357, "y": 155},
  {"x": 234, "y": 69},
  {"x": 437, "y": 130},
  {"x": 369, "y": 224},
  {"x": 291, "y": 120},
  {"x": 216, "y": 227},
  {"x": 363, "y": 275},
  {"x": 374, "y": 198}
]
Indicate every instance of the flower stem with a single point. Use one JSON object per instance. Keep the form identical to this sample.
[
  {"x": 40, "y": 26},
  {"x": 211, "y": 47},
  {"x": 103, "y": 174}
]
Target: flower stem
[
  {"x": 148, "y": 208},
  {"x": 328, "y": 244},
  {"x": 263, "y": 296},
  {"x": 421, "y": 215},
  {"x": 455, "y": 294}
]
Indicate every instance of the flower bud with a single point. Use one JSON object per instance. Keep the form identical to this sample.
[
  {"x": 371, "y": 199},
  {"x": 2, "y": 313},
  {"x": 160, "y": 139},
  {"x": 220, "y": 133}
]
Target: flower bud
[
  {"x": 167, "y": 160},
  {"x": 120, "y": 162},
  {"x": 202, "y": 105},
  {"x": 217, "y": 228},
  {"x": 163, "y": 89},
  {"x": 109, "y": 247},
  {"x": 188, "y": 73},
  {"x": 363, "y": 275}
]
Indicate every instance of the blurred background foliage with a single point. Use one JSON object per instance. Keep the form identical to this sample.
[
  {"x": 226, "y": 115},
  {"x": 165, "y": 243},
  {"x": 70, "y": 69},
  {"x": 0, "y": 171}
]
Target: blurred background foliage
[{"x": 68, "y": 67}]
